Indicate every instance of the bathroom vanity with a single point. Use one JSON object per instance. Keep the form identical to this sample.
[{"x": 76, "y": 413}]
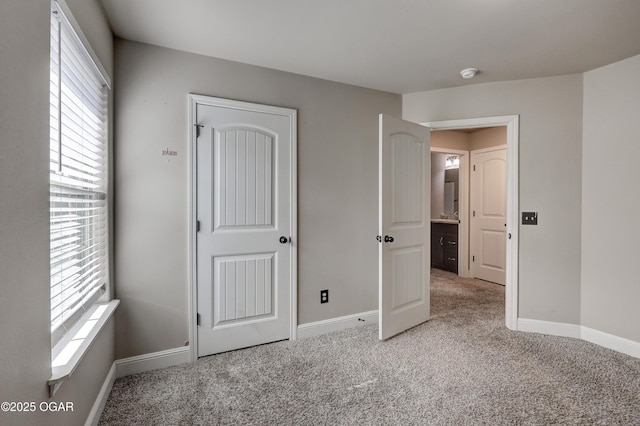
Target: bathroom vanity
[{"x": 444, "y": 244}]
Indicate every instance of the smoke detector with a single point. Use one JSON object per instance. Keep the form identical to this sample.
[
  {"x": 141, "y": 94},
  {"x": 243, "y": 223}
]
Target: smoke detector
[{"x": 468, "y": 73}]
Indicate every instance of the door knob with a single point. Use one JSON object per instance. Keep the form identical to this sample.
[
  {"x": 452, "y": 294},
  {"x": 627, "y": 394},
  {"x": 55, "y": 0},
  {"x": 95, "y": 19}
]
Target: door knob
[
  {"x": 388, "y": 239},
  {"x": 285, "y": 240}
]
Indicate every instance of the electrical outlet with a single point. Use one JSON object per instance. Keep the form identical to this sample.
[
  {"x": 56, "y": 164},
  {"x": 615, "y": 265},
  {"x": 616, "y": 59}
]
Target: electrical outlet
[
  {"x": 324, "y": 296},
  {"x": 529, "y": 218}
]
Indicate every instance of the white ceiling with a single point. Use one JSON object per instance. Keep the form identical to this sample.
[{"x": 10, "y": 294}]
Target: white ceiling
[{"x": 399, "y": 46}]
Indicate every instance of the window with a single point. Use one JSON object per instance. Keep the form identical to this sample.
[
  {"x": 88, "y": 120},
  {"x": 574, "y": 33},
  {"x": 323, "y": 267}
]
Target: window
[{"x": 78, "y": 169}]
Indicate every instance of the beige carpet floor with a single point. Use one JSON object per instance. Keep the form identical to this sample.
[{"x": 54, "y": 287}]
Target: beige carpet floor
[{"x": 463, "y": 367}]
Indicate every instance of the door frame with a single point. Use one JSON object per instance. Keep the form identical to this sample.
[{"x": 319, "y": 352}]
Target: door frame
[
  {"x": 195, "y": 100},
  {"x": 463, "y": 207},
  {"x": 513, "y": 142}
]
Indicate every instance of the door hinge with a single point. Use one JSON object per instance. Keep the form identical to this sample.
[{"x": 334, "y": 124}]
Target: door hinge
[
  {"x": 474, "y": 167},
  {"x": 197, "y": 226},
  {"x": 473, "y": 258},
  {"x": 198, "y": 127},
  {"x": 379, "y": 238},
  {"x": 198, "y": 319},
  {"x": 474, "y": 213}
]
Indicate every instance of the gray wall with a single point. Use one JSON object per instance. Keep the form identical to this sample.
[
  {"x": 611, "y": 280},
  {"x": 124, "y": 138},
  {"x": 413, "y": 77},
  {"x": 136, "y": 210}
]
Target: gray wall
[
  {"x": 337, "y": 187},
  {"x": 25, "y": 352},
  {"x": 610, "y": 202},
  {"x": 550, "y": 111}
]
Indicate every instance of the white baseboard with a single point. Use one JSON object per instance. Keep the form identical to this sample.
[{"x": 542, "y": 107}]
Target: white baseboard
[
  {"x": 549, "y": 327},
  {"x": 152, "y": 361},
  {"x": 334, "y": 324},
  {"x": 610, "y": 341},
  {"x": 101, "y": 399}
]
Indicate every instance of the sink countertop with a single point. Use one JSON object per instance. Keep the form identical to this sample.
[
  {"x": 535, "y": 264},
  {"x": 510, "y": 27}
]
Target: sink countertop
[{"x": 450, "y": 221}]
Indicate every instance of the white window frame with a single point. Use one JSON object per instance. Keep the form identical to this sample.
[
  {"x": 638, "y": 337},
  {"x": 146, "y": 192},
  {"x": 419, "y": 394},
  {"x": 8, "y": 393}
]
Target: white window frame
[{"x": 79, "y": 195}]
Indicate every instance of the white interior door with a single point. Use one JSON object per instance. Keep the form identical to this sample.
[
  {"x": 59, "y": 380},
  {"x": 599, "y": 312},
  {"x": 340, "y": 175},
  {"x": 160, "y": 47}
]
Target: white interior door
[
  {"x": 244, "y": 209},
  {"x": 404, "y": 228},
  {"x": 489, "y": 214}
]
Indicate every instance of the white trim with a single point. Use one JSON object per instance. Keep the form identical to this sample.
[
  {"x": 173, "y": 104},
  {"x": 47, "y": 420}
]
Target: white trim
[
  {"x": 334, "y": 324},
  {"x": 152, "y": 361},
  {"x": 62, "y": 6},
  {"x": 610, "y": 341},
  {"x": 513, "y": 208},
  {"x": 600, "y": 338},
  {"x": 293, "y": 306},
  {"x": 489, "y": 149},
  {"x": 101, "y": 400},
  {"x": 192, "y": 271},
  {"x": 448, "y": 150},
  {"x": 549, "y": 327},
  {"x": 463, "y": 208},
  {"x": 194, "y": 101},
  {"x": 513, "y": 204},
  {"x": 62, "y": 372}
]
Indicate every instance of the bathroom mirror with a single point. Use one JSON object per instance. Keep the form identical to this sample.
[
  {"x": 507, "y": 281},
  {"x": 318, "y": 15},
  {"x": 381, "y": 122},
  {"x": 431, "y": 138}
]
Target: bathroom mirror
[
  {"x": 444, "y": 185},
  {"x": 451, "y": 191}
]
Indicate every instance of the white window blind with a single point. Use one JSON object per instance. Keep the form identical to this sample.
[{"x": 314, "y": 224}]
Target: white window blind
[{"x": 78, "y": 177}]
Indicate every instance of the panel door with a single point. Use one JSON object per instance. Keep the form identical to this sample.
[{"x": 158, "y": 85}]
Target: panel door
[
  {"x": 489, "y": 215},
  {"x": 244, "y": 204},
  {"x": 404, "y": 227}
]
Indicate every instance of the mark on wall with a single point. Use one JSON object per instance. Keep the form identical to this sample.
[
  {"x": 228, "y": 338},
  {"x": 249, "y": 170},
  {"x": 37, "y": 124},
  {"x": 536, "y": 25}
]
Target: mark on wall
[{"x": 169, "y": 152}]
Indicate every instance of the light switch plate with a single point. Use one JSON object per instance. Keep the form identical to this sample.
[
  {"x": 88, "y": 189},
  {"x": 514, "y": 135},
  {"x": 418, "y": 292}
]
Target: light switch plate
[{"x": 529, "y": 218}]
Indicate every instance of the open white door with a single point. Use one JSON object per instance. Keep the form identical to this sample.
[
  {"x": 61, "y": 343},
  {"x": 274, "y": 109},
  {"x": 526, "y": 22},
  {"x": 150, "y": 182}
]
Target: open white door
[{"x": 404, "y": 225}]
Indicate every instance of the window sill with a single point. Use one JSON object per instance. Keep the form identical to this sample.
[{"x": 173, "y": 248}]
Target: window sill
[{"x": 68, "y": 353}]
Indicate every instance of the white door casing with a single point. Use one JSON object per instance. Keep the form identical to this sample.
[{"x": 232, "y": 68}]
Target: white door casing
[
  {"x": 404, "y": 226},
  {"x": 245, "y": 213},
  {"x": 489, "y": 214},
  {"x": 512, "y": 122}
]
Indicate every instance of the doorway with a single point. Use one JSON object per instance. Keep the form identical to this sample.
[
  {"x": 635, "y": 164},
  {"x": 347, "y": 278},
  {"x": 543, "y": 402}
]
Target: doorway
[
  {"x": 452, "y": 219},
  {"x": 511, "y": 265}
]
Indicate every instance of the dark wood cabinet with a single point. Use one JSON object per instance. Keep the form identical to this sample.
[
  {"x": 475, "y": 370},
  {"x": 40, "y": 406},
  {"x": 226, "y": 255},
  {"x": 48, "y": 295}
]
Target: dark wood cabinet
[{"x": 444, "y": 246}]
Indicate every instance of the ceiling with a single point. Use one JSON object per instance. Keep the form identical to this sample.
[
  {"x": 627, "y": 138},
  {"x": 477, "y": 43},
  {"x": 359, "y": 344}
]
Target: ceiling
[{"x": 398, "y": 46}]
